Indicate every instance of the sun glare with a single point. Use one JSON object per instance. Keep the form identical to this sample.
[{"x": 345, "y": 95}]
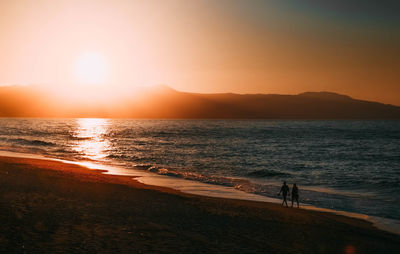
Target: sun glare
[
  {"x": 90, "y": 140},
  {"x": 91, "y": 69}
]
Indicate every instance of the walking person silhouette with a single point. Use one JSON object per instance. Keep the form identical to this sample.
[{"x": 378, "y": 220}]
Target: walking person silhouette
[
  {"x": 285, "y": 191},
  {"x": 295, "y": 194}
]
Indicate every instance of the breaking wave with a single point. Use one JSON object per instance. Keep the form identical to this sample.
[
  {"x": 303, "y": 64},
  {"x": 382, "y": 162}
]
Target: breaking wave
[
  {"x": 29, "y": 142},
  {"x": 267, "y": 173}
]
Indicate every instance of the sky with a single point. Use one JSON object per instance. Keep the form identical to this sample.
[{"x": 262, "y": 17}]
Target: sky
[{"x": 208, "y": 46}]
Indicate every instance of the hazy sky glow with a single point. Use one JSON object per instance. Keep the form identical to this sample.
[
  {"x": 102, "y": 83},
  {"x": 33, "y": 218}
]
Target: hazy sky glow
[{"x": 242, "y": 46}]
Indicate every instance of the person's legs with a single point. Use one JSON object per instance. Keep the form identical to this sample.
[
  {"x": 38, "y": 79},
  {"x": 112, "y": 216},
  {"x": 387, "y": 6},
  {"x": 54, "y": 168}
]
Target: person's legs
[{"x": 284, "y": 200}]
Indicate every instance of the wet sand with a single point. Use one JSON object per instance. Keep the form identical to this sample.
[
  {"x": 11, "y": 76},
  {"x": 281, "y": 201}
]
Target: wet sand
[{"x": 53, "y": 207}]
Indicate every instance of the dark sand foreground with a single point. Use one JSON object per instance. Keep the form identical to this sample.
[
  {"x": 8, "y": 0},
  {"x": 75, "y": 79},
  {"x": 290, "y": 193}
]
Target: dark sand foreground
[{"x": 51, "y": 207}]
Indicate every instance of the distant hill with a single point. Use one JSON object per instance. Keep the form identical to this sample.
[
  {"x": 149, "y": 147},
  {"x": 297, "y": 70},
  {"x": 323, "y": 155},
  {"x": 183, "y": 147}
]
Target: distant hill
[{"x": 164, "y": 102}]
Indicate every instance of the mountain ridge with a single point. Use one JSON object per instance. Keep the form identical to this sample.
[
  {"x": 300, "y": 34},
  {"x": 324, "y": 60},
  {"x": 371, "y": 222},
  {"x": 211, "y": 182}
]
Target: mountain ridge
[{"x": 165, "y": 102}]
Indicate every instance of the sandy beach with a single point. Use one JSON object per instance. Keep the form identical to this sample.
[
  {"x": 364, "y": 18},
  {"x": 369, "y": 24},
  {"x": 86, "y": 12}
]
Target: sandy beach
[{"x": 53, "y": 207}]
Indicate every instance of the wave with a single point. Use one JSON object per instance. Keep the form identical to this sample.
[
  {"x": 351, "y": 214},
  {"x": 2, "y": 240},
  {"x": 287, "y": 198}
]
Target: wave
[
  {"x": 242, "y": 184},
  {"x": 143, "y": 166},
  {"x": 72, "y": 137},
  {"x": 117, "y": 156},
  {"x": 267, "y": 173},
  {"x": 237, "y": 183},
  {"x": 247, "y": 185},
  {"x": 29, "y": 142}
]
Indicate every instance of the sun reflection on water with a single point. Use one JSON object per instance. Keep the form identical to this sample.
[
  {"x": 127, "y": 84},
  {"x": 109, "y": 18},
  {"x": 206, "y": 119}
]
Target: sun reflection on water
[{"x": 90, "y": 137}]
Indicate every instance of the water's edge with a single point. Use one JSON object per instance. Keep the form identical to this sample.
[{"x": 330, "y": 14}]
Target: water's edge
[{"x": 209, "y": 190}]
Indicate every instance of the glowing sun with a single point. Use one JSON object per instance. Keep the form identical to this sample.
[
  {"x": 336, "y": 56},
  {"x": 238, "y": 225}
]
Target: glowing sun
[{"x": 91, "y": 68}]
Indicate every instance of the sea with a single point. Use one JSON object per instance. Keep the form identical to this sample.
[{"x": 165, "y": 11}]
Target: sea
[{"x": 351, "y": 166}]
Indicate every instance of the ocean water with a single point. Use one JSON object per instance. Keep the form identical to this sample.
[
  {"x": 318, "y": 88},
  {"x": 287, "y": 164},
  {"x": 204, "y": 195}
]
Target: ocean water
[{"x": 351, "y": 166}]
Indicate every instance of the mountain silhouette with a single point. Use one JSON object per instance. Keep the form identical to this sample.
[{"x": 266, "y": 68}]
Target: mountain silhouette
[{"x": 165, "y": 102}]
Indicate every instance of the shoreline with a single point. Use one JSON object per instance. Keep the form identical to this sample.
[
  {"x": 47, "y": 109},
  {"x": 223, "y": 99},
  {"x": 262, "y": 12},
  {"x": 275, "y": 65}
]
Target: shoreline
[
  {"x": 78, "y": 210},
  {"x": 183, "y": 186}
]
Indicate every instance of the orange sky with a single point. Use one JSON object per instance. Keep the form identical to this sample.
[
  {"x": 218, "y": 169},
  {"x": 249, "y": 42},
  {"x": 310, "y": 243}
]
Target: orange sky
[{"x": 207, "y": 46}]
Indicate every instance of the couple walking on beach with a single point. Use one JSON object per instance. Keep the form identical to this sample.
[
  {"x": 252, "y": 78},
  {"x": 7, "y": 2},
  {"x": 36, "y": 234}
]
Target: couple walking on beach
[{"x": 285, "y": 192}]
